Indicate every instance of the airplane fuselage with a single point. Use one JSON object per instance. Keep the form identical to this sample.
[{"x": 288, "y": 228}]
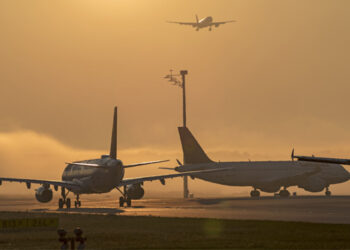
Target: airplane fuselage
[
  {"x": 95, "y": 180},
  {"x": 270, "y": 176},
  {"x": 205, "y": 22}
]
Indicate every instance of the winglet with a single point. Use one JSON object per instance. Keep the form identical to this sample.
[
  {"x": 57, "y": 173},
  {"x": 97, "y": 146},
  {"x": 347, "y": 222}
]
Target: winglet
[
  {"x": 113, "y": 152},
  {"x": 292, "y": 155}
]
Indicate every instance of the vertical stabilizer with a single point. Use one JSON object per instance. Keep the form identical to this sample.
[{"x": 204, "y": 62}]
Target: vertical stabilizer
[
  {"x": 113, "y": 152},
  {"x": 193, "y": 153},
  {"x": 197, "y": 19}
]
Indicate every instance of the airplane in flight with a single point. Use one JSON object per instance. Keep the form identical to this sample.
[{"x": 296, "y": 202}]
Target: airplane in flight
[
  {"x": 203, "y": 23},
  {"x": 96, "y": 176},
  {"x": 266, "y": 176}
]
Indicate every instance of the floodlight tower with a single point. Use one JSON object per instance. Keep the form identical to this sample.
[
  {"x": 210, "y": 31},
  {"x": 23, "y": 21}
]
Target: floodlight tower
[
  {"x": 183, "y": 73},
  {"x": 172, "y": 78}
]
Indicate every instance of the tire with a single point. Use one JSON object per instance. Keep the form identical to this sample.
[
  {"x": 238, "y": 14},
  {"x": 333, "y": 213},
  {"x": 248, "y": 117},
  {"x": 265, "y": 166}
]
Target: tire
[
  {"x": 254, "y": 193},
  {"x": 79, "y": 203},
  {"x": 68, "y": 203},
  {"x": 121, "y": 201},
  {"x": 328, "y": 193},
  {"x": 128, "y": 202},
  {"x": 75, "y": 204},
  {"x": 60, "y": 203}
]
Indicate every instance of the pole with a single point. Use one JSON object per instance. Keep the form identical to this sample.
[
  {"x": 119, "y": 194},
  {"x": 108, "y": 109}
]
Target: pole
[{"x": 183, "y": 74}]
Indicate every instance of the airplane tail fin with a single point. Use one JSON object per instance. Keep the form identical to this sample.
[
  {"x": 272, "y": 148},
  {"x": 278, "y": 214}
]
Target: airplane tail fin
[
  {"x": 193, "y": 153},
  {"x": 113, "y": 152},
  {"x": 197, "y": 19}
]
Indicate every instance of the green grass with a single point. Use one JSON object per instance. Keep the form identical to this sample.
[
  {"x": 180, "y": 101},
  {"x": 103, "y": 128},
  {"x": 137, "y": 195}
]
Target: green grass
[{"x": 127, "y": 232}]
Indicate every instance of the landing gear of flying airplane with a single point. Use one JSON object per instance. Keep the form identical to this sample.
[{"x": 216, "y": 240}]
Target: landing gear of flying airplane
[
  {"x": 77, "y": 203},
  {"x": 124, "y": 199},
  {"x": 64, "y": 200},
  {"x": 284, "y": 193},
  {"x": 255, "y": 193},
  {"x": 328, "y": 193}
]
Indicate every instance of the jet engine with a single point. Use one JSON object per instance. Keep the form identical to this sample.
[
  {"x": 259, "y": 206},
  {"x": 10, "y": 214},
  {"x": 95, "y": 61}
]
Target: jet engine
[
  {"x": 313, "y": 184},
  {"x": 135, "y": 191},
  {"x": 43, "y": 194}
]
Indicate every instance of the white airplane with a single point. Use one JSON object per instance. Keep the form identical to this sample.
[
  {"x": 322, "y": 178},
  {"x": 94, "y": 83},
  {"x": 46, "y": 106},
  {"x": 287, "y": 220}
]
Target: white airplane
[
  {"x": 267, "y": 176},
  {"x": 96, "y": 176},
  {"x": 203, "y": 23}
]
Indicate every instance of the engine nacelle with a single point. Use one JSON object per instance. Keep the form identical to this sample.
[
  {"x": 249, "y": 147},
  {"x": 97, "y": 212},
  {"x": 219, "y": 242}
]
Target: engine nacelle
[
  {"x": 135, "y": 191},
  {"x": 313, "y": 184},
  {"x": 43, "y": 194}
]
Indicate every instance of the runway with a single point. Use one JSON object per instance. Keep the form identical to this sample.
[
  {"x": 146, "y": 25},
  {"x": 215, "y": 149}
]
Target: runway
[{"x": 321, "y": 209}]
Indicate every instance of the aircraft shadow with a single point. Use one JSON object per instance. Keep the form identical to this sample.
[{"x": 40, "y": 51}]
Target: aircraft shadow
[
  {"x": 213, "y": 201},
  {"x": 92, "y": 210}
]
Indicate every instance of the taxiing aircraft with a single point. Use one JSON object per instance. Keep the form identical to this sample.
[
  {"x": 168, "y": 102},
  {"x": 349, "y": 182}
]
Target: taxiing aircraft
[
  {"x": 96, "y": 176},
  {"x": 203, "y": 23},
  {"x": 267, "y": 176}
]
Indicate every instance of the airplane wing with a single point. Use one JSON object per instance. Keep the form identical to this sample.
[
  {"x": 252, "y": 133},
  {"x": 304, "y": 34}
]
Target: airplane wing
[
  {"x": 219, "y": 23},
  {"x": 143, "y": 163},
  {"x": 65, "y": 184},
  {"x": 323, "y": 159},
  {"x": 92, "y": 165},
  {"x": 185, "y": 23},
  {"x": 161, "y": 178}
]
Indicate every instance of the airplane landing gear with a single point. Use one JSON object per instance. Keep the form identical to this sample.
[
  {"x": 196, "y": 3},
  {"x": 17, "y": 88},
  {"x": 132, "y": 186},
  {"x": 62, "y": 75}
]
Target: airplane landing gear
[
  {"x": 328, "y": 193},
  {"x": 255, "y": 193},
  {"x": 124, "y": 199},
  {"x": 284, "y": 193},
  {"x": 77, "y": 203},
  {"x": 210, "y": 29},
  {"x": 64, "y": 200}
]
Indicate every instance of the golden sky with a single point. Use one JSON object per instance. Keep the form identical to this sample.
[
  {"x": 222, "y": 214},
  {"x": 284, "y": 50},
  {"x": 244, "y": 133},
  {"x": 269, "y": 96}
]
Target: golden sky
[{"x": 278, "y": 78}]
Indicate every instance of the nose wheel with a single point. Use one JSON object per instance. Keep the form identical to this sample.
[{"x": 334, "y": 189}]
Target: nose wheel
[
  {"x": 64, "y": 200},
  {"x": 328, "y": 193}
]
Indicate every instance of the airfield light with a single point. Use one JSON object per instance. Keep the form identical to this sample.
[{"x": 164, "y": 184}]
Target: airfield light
[{"x": 173, "y": 79}]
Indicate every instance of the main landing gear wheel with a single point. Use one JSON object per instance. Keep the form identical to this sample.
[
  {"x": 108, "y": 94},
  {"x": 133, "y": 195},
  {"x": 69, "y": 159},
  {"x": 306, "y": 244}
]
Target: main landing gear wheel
[
  {"x": 284, "y": 193},
  {"x": 64, "y": 200},
  {"x": 77, "y": 203},
  {"x": 60, "y": 203},
  {"x": 328, "y": 193},
  {"x": 255, "y": 193},
  {"x": 124, "y": 199}
]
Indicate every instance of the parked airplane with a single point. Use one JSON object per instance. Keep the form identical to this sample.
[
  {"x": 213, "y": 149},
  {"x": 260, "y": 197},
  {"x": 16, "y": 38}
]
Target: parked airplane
[
  {"x": 203, "y": 23},
  {"x": 96, "y": 176},
  {"x": 267, "y": 176}
]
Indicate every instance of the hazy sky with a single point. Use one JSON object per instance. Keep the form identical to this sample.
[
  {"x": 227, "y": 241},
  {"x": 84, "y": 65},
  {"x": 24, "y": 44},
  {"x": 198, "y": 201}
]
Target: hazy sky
[{"x": 277, "y": 78}]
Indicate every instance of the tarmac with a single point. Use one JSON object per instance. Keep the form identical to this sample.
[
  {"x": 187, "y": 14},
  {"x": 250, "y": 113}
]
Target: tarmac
[{"x": 320, "y": 209}]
